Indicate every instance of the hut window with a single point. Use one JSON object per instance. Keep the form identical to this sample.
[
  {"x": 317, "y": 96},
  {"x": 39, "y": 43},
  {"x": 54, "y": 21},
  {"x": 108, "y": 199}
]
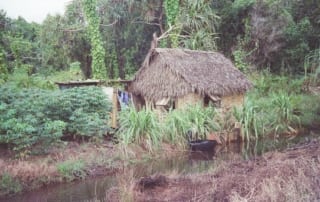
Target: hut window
[
  {"x": 166, "y": 103},
  {"x": 215, "y": 100}
]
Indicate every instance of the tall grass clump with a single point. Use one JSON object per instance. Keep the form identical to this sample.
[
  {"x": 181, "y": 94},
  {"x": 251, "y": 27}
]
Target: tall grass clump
[
  {"x": 266, "y": 83},
  {"x": 9, "y": 185},
  {"x": 307, "y": 108},
  {"x": 312, "y": 67},
  {"x": 72, "y": 169},
  {"x": 284, "y": 113},
  {"x": 251, "y": 117},
  {"x": 277, "y": 105},
  {"x": 199, "y": 119},
  {"x": 145, "y": 126},
  {"x": 139, "y": 127}
]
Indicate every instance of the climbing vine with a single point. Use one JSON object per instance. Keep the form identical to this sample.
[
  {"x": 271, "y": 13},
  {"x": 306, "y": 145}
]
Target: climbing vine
[
  {"x": 172, "y": 10},
  {"x": 3, "y": 69},
  {"x": 97, "y": 51}
]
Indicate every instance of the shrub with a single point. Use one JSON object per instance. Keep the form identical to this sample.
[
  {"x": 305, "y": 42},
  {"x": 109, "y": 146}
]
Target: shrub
[
  {"x": 276, "y": 106},
  {"x": 85, "y": 110},
  {"x": 30, "y": 117},
  {"x": 8, "y": 185},
  {"x": 23, "y": 122},
  {"x": 21, "y": 78},
  {"x": 307, "y": 108},
  {"x": 71, "y": 170},
  {"x": 266, "y": 83}
]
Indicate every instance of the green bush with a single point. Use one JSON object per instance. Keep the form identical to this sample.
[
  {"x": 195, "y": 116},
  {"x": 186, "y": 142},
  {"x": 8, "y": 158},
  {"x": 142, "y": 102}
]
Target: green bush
[
  {"x": 31, "y": 117},
  {"x": 266, "y": 83},
  {"x": 307, "y": 108},
  {"x": 8, "y": 185},
  {"x": 85, "y": 110},
  {"x": 21, "y": 78},
  {"x": 71, "y": 170},
  {"x": 23, "y": 122},
  {"x": 276, "y": 106}
]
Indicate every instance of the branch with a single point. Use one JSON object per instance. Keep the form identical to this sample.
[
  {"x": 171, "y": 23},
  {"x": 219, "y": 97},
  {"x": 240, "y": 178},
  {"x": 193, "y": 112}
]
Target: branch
[
  {"x": 155, "y": 39},
  {"x": 165, "y": 34},
  {"x": 82, "y": 28},
  {"x": 144, "y": 22},
  {"x": 109, "y": 25},
  {"x": 31, "y": 58},
  {"x": 73, "y": 30}
]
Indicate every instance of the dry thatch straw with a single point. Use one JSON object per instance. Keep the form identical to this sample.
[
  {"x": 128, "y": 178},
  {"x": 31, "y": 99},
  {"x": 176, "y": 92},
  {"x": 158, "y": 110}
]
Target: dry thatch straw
[{"x": 177, "y": 72}]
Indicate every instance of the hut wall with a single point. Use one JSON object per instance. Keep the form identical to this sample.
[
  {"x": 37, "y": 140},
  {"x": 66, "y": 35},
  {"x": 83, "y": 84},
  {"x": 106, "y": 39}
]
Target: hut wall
[
  {"x": 188, "y": 99},
  {"x": 232, "y": 101}
]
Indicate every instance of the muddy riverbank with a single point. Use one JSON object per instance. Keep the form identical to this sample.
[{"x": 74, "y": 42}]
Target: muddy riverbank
[
  {"x": 290, "y": 175},
  {"x": 235, "y": 172},
  {"x": 64, "y": 163}
]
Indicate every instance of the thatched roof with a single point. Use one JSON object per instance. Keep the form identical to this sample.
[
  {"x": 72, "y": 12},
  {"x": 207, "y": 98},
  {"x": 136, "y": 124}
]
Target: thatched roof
[{"x": 177, "y": 72}]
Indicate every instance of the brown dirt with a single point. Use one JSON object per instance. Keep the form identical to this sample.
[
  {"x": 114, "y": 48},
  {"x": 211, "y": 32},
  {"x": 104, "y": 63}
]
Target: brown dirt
[{"x": 291, "y": 175}]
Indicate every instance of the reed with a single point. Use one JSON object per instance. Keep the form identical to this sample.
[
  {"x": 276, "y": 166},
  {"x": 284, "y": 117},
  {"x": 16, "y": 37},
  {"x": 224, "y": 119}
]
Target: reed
[
  {"x": 139, "y": 127},
  {"x": 196, "y": 118}
]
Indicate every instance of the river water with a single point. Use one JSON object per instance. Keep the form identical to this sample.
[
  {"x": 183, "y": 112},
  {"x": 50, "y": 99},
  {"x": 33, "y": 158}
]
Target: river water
[{"x": 96, "y": 189}]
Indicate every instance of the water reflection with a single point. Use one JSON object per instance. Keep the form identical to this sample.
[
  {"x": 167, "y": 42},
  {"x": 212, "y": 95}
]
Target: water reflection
[{"x": 72, "y": 192}]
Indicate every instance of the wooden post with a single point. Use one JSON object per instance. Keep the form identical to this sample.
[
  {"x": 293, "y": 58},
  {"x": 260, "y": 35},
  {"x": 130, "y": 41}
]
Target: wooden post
[{"x": 114, "y": 108}]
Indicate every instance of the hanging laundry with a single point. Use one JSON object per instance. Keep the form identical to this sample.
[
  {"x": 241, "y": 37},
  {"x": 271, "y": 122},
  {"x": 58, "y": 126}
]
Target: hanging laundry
[{"x": 124, "y": 98}]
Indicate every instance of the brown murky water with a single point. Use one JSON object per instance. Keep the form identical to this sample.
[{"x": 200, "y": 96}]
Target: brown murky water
[{"x": 96, "y": 189}]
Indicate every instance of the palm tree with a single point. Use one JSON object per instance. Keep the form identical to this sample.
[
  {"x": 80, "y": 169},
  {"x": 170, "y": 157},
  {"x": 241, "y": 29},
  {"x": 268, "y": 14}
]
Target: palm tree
[{"x": 198, "y": 22}]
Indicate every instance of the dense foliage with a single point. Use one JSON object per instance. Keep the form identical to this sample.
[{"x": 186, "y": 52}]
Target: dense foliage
[
  {"x": 279, "y": 35},
  {"x": 32, "y": 117},
  {"x": 98, "y": 52},
  {"x": 270, "y": 110},
  {"x": 109, "y": 39}
]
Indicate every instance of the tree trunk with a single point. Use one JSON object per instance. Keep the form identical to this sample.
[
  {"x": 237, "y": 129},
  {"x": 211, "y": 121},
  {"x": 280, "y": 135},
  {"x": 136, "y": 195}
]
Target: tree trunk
[{"x": 121, "y": 63}]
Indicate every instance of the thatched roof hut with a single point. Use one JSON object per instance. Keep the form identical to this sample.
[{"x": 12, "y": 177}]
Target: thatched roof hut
[{"x": 174, "y": 73}]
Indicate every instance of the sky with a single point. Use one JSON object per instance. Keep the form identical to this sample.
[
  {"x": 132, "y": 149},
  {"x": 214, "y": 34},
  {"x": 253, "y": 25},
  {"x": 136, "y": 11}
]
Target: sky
[{"x": 33, "y": 10}]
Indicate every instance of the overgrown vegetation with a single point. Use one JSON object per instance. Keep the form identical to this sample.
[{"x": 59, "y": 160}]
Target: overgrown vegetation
[
  {"x": 199, "y": 120},
  {"x": 9, "y": 185},
  {"x": 269, "y": 109},
  {"x": 148, "y": 127},
  {"x": 139, "y": 126},
  {"x": 98, "y": 51},
  {"x": 71, "y": 169},
  {"x": 278, "y": 35},
  {"x": 275, "y": 42},
  {"x": 33, "y": 117}
]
